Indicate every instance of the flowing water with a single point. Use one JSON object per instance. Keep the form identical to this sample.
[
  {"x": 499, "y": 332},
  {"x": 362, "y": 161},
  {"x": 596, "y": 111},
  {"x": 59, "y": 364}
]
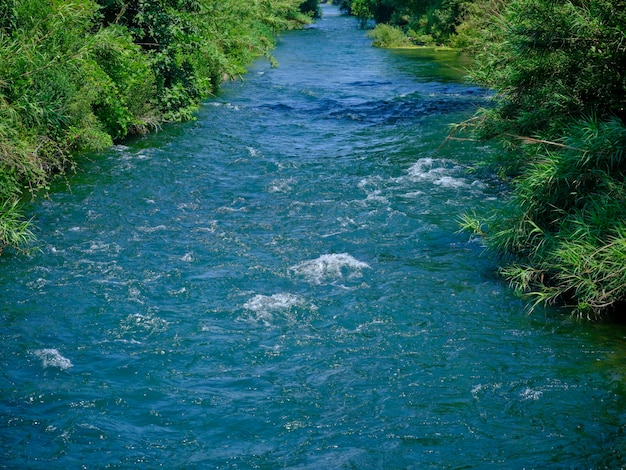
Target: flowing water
[{"x": 280, "y": 284}]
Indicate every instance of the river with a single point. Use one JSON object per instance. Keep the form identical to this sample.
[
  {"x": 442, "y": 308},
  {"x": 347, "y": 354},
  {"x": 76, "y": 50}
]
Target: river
[{"x": 280, "y": 284}]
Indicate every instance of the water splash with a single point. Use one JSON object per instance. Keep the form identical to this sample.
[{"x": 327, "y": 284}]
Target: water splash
[
  {"x": 330, "y": 267},
  {"x": 52, "y": 358}
]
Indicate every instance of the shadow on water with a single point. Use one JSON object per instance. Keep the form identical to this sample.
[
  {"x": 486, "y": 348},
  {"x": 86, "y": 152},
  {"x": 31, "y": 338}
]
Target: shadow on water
[{"x": 440, "y": 65}]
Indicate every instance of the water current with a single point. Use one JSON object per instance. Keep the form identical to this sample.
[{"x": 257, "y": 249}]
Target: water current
[{"x": 280, "y": 284}]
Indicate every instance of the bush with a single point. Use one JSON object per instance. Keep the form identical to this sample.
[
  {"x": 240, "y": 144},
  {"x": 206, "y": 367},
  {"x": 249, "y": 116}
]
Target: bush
[
  {"x": 384, "y": 35},
  {"x": 559, "y": 69}
]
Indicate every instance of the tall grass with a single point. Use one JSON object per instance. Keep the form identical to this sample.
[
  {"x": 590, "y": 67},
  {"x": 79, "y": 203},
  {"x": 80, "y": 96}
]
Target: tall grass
[
  {"x": 559, "y": 71},
  {"x": 384, "y": 35},
  {"x": 15, "y": 231},
  {"x": 563, "y": 236},
  {"x": 81, "y": 75}
]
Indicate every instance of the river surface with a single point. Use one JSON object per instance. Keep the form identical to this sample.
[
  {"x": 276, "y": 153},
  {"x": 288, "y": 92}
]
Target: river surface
[{"x": 280, "y": 284}]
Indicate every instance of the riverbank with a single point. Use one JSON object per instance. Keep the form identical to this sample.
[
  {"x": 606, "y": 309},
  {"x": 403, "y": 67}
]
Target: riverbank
[
  {"x": 85, "y": 75},
  {"x": 558, "y": 116}
]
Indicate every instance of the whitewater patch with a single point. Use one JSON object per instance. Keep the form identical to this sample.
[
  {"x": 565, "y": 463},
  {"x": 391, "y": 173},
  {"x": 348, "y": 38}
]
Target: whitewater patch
[
  {"x": 265, "y": 308},
  {"x": 436, "y": 171},
  {"x": 142, "y": 324},
  {"x": 217, "y": 104},
  {"x": 254, "y": 152},
  {"x": 147, "y": 229},
  {"x": 52, "y": 358},
  {"x": 281, "y": 185},
  {"x": 330, "y": 267}
]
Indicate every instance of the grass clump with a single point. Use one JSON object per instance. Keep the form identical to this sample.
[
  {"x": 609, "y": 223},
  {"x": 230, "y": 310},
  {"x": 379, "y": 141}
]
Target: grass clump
[
  {"x": 15, "y": 231},
  {"x": 387, "y": 36}
]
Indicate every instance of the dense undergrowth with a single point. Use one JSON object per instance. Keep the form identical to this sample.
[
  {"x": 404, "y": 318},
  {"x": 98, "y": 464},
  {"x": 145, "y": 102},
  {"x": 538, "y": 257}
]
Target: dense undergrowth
[
  {"x": 462, "y": 24},
  {"x": 558, "y": 68},
  {"x": 82, "y": 74}
]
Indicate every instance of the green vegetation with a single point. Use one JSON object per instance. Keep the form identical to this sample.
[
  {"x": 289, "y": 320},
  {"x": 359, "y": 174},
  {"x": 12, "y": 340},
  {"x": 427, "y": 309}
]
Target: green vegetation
[
  {"x": 384, "y": 35},
  {"x": 559, "y": 71},
  {"x": 558, "y": 68},
  {"x": 82, "y": 74},
  {"x": 14, "y": 230},
  {"x": 427, "y": 22}
]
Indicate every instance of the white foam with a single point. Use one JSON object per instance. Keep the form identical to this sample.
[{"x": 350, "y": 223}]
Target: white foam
[
  {"x": 330, "y": 267},
  {"x": 481, "y": 389},
  {"x": 449, "y": 182},
  {"x": 371, "y": 182},
  {"x": 266, "y": 307},
  {"x": 148, "y": 323},
  {"x": 225, "y": 105},
  {"x": 99, "y": 246},
  {"x": 180, "y": 291},
  {"x": 157, "y": 228},
  {"x": 377, "y": 196},
  {"x": 281, "y": 301},
  {"x": 253, "y": 152},
  {"x": 53, "y": 358},
  {"x": 436, "y": 171},
  {"x": 413, "y": 194},
  {"x": 281, "y": 185},
  {"x": 530, "y": 394}
]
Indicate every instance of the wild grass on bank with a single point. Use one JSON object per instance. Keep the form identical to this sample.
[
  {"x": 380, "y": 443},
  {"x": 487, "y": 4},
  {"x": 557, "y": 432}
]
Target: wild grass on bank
[
  {"x": 15, "y": 231},
  {"x": 562, "y": 237},
  {"x": 82, "y": 75},
  {"x": 559, "y": 72},
  {"x": 384, "y": 35}
]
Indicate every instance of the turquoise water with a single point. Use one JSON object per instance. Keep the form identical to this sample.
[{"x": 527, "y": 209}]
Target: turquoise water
[{"x": 280, "y": 284}]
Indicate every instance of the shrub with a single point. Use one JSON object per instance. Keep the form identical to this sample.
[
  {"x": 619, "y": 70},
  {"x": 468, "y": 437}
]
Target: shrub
[
  {"x": 384, "y": 35},
  {"x": 559, "y": 70}
]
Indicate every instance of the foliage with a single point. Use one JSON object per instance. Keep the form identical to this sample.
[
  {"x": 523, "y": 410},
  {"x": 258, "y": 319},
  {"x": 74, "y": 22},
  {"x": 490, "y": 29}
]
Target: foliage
[
  {"x": 430, "y": 21},
  {"x": 384, "y": 35},
  {"x": 14, "y": 230},
  {"x": 480, "y": 25},
  {"x": 80, "y": 75},
  {"x": 194, "y": 44},
  {"x": 311, "y": 8},
  {"x": 557, "y": 60},
  {"x": 560, "y": 75}
]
